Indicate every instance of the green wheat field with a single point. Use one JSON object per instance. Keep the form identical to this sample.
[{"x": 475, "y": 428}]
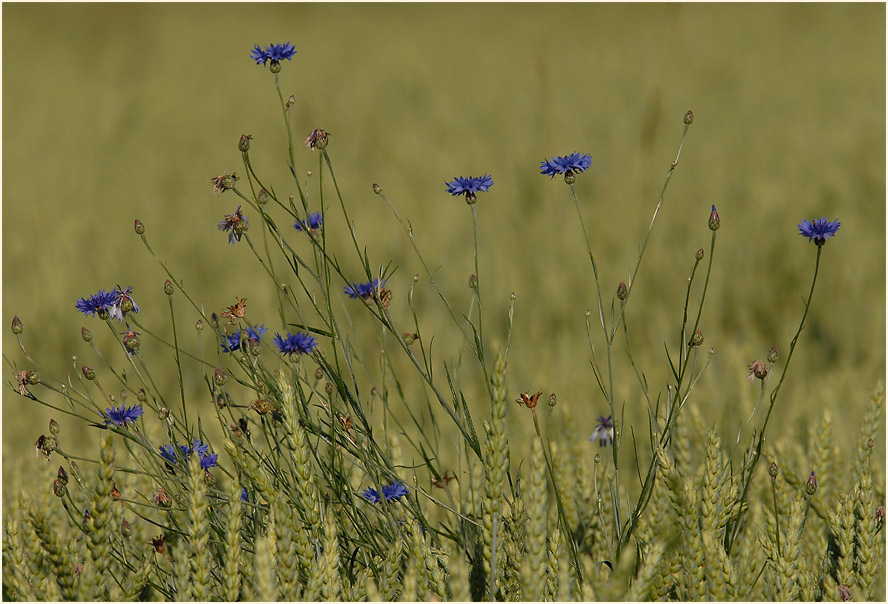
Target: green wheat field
[{"x": 369, "y": 442}]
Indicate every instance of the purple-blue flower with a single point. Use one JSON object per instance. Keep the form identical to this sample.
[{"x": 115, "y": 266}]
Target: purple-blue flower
[
  {"x": 123, "y": 415},
  {"x": 314, "y": 222},
  {"x": 392, "y": 492},
  {"x": 364, "y": 290},
  {"x": 573, "y": 163},
  {"x": 233, "y": 341},
  {"x": 123, "y": 303},
  {"x": 244, "y": 495},
  {"x": 207, "y": 459},
  {"x": 95, "y": 304},
  {"x": 469, "y": 186},
  {"x": 604, "y": 431},
  {"x": 298, "y": 342},
  {"x": 237, "y": 223},
  {"x": 819, "y": 230},
  {"x": 273, "y": 52}
]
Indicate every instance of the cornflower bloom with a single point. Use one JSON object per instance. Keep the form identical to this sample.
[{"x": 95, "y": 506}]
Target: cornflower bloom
[
  {"x": 233, "y": 342},
  {"x": 207, "y": 459},
  {"x": 364, "y": 290},
  {"x": 300, "y": 343},
  {"x": 123, "y": 415},
  {"x": 469, "y": 186},
  {"x": 314, "y": 222},
  {"x": 819, "y": 230},
  {"x": 237, "y": 223},
  {"x": 274, "y": 53},
  {"x": 569, "y": 165},
  {"x": 604, "y": 431},
  {"x": 392, "y": 492},
  {"x": 95, "y": 304}
]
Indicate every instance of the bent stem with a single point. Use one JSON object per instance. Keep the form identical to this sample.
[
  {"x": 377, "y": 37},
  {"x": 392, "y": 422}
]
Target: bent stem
[{"x": 734, "y": 527}]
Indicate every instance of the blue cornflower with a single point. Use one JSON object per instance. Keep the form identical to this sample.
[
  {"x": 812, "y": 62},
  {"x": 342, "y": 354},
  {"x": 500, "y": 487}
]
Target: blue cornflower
[
  {"x": 245, "y": 497},
  {"x": 392, "y": 492},
  {"x": 364, "y": 290},
  {"x": 123, "y": 415},
  {"x": 95, "y": 304},
  {"x": 604, "y": 431},
  {"x": 567, "y": 165},
  {"x": 207, "y": 459},
  {"x": 469, "y": 186},
  {"x": 233, "y": 342},
  {"x": 299, "y": 342},
  {"x": 259, "y": 55},
  {"x": 237, "y": 223},
  {"x": 123, "y": 303},
  {"x": 314, "y": 222},
  {"x": 819, "y": 230},
  {"x": 274, "y": 53}
]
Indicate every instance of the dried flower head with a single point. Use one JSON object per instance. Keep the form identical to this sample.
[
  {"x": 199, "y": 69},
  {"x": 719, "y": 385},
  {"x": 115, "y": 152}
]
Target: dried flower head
[
  {"x": 159, "y": 545},
  {"x": 317, "y": 139},
  {"x": 223, "y": 182},
  {"x": 233, "y": 313},
  {"x": 21, "y": 380},
  {"x": 757, "y": 370},
  {"x": 235, "y": 224},
  {"x": 528, "y": 400},
  {"x": 385, "y": 296},
  {"x": 161, "y": 499}
]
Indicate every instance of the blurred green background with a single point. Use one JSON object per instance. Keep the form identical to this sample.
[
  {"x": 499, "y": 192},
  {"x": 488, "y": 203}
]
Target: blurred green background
[{"x": 113, "y": 112}]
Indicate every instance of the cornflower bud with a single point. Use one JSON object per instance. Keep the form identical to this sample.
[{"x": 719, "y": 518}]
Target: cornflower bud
[
  {"x": 141, "y": 396},
  {"x": 161, "y": 499},
  {"x": 772, "y": 355},
  {"x": 597, "y": 458},
  {"x": 63, "y": 476},
  {"x": 86, "y": 334},
  {"x": 622, "y": 291},
  {"x": 569, "y": 177},
  {"x": 138, "y": 227},
  {"x": 553, "y": 400},
  {"x": 689, "y": 117},
  {"x": 219, "y": 377},
  {"x": 811, "y": 485},
  {"x": 126, "y": 529},
  {"x": 163, "y": 413},
  {"x": 473, "y": 281},
  {"x": 88, "y": 373},
  {"x": 319, "y": 373},
  {"x": 416, "y": 278},
  {"x": 377, "y": 189},
  {"x": 17, "y": 326},
  {"x": 54, "y": 428},
  {"x": 33, "y": 378},
  {"x": 58, "y": 488},
  {"x": 168, "y": 287},
  {"x": 243, "y": 145},
  {"x": 328, "y": 388},
  {"x": 262, "y": 197},
  {"x": 274, "y": 67},
  {"x": 699, "y": 254},
  {"x": 131, "y": 342},
  {"x": 696, "y": 339},
  {"x": 713, "y": 220},
  {"x": 772, "y": 469}
]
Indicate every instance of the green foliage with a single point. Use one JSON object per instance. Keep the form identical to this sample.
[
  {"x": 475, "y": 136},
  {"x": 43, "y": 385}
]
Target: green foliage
[{"x": 389, "y": 462}]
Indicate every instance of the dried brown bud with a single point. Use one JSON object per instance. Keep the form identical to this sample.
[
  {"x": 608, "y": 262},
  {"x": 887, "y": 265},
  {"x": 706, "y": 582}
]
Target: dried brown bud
[
  {"x": 159, "y": 544},
  {"x": 622, "y": 291},
  {"x": 757, "y": 369},
  {"x": 161, "y": 499},
  {"x": 261, "y": 406},
  {"x": 528, "y": 400}
]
